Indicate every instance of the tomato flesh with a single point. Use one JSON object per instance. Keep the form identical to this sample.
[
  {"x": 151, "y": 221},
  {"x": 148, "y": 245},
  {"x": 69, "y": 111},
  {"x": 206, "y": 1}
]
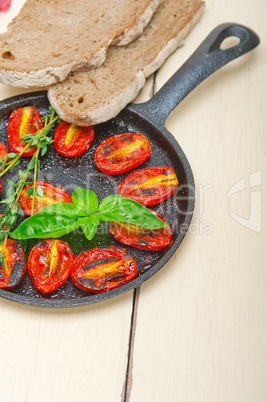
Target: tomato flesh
[
  {"x": 51, "y": 195},
  {"x": 122, "y": 152},
  {"x": 103, "y": 268},
  {"x": 15, "y": 265},
  {"x": 139, "y": 237},
  {"x": 49, "y": 264},
  {"x": 149, "y": 186},
  {"x": 72, "y": 140},
  {"x": 3, "y": 150},
  {"x": 23, "y": 121}
]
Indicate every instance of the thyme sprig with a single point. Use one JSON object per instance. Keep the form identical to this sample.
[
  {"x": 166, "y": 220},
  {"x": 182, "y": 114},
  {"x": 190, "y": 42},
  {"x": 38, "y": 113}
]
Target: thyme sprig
[{"x": 41, "y": 140}]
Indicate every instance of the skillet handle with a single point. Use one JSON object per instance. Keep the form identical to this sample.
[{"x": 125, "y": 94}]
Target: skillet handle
[{"x": 208, "y": 58}]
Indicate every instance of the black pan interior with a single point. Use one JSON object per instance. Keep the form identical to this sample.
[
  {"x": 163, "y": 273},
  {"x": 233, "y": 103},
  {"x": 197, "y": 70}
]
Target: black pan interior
[{"x": 71, "y": 173}]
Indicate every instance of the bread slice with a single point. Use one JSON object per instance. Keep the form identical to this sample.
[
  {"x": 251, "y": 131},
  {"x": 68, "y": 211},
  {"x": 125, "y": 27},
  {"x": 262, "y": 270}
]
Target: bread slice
[
  {"x": 96, "y": 96},
  {"x": 50, "y": 38}
]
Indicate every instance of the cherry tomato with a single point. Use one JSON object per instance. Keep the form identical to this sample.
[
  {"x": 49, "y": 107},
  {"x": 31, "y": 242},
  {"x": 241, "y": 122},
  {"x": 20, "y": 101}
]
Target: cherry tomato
[
  {"x": 122, "y": 152},
  {"x": 149, "y": 186},
  {"x": 72, "y": 140},
  {"x": 5, "y": 5},
  {"x": 23, "y": 121},
  {"x": 139, "y": 237},
  {"x": 51, "y": 195},
  {"x": 15, "y": 265},
  {"x": 49, "y": 264},
  {"x": 103, "y": 268}
]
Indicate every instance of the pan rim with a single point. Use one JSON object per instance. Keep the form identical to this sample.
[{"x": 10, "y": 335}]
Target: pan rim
[{"x": 90, "y": 299}]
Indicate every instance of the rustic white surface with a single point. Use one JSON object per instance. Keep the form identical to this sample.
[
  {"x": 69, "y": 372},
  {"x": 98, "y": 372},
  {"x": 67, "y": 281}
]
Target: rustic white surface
[{"x": 201, "y": 322}]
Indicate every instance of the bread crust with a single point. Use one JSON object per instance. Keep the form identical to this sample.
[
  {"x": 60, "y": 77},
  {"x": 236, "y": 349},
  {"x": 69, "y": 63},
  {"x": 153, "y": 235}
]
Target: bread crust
[
  {"x": 113, "y": 104},
  {"x": 51, "y": 73}
]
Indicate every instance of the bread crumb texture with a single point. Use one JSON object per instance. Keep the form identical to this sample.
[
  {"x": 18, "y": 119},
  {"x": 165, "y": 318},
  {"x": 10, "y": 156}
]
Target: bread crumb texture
[
  {"x": 98, "y": 95},
  {"x": 50, "y": 38}
]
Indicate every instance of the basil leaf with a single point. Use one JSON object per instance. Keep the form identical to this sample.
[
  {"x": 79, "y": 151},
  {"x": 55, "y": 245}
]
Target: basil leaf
[
  {"x": 61, "y": 208},
  {"x": 121, "y": 209},
  {"x": 85, "y": 200},
  {"x": 44, "y": 226},
  {"x": 89, "y": 225}
]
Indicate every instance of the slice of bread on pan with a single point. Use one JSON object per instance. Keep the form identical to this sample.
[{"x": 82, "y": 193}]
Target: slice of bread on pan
[
  {"x": 96, "y": 96},
  {"x": 50, "y": 38}
]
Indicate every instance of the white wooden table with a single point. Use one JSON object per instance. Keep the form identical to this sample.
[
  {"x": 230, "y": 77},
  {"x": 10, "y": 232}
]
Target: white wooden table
[{"x": 197, "y": 330}]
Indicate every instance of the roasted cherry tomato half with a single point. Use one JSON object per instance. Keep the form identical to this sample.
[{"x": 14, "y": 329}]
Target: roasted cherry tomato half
[
  {"x": 149, "y": 186},
  {"x": 122, "y": 152},
  {"x": 15, "y": 265},
  {"x": 72, "y": 140},
  {"x": 23, "y": 121},
  {"x": 49, "y": 264},
  {"x": 103, "y": 268},
  {"x": 51, "y": 195},
  {"x": 139, "y": 237}
]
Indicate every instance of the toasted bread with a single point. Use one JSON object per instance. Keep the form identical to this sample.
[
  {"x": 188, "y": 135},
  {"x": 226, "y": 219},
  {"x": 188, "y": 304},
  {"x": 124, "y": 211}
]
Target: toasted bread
[
  {"x": 95, "y": 96},
  {"x": 50, "y": 38}
]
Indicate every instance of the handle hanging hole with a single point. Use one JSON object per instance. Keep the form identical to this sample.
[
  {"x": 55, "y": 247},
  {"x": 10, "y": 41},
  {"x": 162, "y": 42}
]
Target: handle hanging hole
[{"x": 229, "y": 42}]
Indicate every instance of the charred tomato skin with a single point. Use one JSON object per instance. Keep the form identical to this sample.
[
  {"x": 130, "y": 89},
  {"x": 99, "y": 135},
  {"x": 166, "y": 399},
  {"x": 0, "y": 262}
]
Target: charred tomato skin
[
  {"x": 22, "y": 121},
  {"x": 149, "y": 186},
  {"x": 15, "y": 264},
  {"x": 139, "y": 237},
  {"x": 103, "y": 268},
  {"x": 72, "y": 140},
  {"x": 49, "y": 264},
  {"x": 122, "y": 152},
  {"x": 52, "y": 195}
]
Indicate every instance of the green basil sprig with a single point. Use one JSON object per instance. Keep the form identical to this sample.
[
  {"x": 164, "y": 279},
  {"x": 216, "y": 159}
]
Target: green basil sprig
[{"x": 59, "y": 219}]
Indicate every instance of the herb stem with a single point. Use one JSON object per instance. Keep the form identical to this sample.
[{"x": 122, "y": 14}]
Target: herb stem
[
  {"x": 12, "y": 209},
  {"x": 39, "y": 140},
  {"x": 2, "y": 254},
  {"x": 19, "y": 191},
  {"x": 13, "y": 162},
  {"x": 35, "y": 175}
]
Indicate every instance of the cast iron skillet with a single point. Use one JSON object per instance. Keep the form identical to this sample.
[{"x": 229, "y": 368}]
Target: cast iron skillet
[{"x": 149, "y": 119}]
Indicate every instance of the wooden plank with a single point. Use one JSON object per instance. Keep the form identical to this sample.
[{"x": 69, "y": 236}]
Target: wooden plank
[
  {"x": 201, "y": 325},
  {"x": 65, "y": 354},
  {"x": 62, "y": 354}
]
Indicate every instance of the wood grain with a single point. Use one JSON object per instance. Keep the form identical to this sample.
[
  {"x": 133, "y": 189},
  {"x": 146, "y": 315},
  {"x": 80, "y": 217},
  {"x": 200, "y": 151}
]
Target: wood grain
[{"x": 200, "y": 325}]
